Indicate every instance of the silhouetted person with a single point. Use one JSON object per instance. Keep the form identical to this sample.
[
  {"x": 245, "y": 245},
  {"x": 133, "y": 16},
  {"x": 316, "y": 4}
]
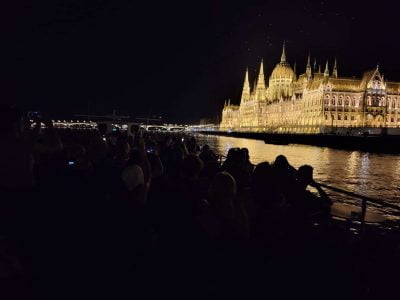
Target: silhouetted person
[
  {"x": 281, "y": 164},
  {"x": 286, "y": 175},
  {"x": 211, "y": 165},
  {"x": 248, "y": 165},
  {"x": 270, "y": 203},
  {"x": 192, "y": 146},
  {"x": 236, "y": 165},
  {"x": 307, "y": 202},
  {"x": 207, "y": 155},
  {"x": 226, "y": 221}
]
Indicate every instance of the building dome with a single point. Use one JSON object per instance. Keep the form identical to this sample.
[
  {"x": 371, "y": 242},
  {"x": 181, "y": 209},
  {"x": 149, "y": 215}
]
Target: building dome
[
  {"x": 282, "y": 70},
  {"x": 281, "y": 80}
]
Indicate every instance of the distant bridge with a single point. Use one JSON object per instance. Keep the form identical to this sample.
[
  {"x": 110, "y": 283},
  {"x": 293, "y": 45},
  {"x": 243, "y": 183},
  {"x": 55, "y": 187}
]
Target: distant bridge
[
  {"x": 206, "y": 127},
  {"x": 121, "y": 125},
  {"x": 126, "y": 125}
]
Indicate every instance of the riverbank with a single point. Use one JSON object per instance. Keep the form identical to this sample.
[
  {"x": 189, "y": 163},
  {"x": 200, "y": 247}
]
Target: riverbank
[{"x": 371, "y": 143}]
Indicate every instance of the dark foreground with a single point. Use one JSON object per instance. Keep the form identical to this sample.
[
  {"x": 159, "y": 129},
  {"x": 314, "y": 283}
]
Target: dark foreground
[{"x": 150, "y": 216}]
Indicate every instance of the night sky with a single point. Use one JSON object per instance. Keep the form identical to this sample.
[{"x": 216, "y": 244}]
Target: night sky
[{"x": 178, "y": 59}]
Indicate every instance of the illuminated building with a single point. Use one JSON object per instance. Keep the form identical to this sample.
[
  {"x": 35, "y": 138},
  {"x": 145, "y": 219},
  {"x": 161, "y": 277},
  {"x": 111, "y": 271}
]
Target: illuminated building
[
  {"x": 230, "y": 116},
  {"x": 313, "y": 102}
]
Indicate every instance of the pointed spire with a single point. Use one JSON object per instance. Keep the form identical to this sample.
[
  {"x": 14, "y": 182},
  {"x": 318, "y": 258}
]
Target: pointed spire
[
  {"x": 326, "y": 72},
  {"x": 334, "y": 72},
  {"x": 246, "y": 86},
  {"x": 294, "y": 68},
  {"x": 261, "y": 68},
  {"x": 319, "y": 68},
  {"x": 283, "y": 56},
  {"x": 315, "y": 65},
  {"x": 229, "y": 101},
  {"x": 261, "y": 80},
  {"x": 308, "y": 68},
  {"x": 225, "y": 104}
]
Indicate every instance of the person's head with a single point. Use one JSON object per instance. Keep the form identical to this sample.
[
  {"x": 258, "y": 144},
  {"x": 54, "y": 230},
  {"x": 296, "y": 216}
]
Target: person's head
[
  {"x": 262, "y": 173},
  {"x": 11, "y": 121},
  {"x": 236, "y": 156},
  {"x": 222, "y": 192},
  {"x": 191, "y": 145},
  {"x": 231, "y": 153},
  {"x": 304, "y": 176},
  {"x": 281, "y": 162},
  {"x": 192, "y": 166}
]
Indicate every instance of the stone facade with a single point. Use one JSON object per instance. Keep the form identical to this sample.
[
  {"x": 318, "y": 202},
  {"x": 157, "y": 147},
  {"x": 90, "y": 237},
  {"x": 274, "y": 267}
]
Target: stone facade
[
  {"x": 313, "y": 102},
  {"x": 230, "y": 117}
]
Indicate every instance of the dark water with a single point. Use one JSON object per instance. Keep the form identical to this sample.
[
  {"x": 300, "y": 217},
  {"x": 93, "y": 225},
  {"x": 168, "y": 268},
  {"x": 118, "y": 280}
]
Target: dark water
[{"x": 370, "y": 174}]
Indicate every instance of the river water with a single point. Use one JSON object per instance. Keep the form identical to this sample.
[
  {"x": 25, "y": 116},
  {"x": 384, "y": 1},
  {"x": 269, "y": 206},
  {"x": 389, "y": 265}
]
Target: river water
[{"x": 370, "y": 174}]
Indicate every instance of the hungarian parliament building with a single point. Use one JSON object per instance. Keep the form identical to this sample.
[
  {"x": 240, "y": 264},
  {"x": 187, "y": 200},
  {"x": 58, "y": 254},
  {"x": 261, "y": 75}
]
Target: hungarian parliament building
[{"x": 313, "y": 102}]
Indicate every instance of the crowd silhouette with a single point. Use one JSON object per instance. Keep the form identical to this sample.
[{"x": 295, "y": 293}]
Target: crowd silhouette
[{"x": 86, "y": 214}]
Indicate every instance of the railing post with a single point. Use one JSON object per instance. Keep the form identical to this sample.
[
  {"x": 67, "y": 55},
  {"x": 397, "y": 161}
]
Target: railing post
[{"x": 363, "y": 213}]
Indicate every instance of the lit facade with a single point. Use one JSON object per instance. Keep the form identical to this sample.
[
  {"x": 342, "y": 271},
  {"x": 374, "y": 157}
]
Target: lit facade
[
  {"x": 230, "y": 116},
  {"x": 313, "y": 102}
]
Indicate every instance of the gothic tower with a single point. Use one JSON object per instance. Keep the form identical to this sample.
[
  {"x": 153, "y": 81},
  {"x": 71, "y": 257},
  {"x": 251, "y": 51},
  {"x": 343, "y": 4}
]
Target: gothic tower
[
  {"x": 246, "y": 87},
  {"x": 308, "y": 68},
  {"x": 334, "y": 72}
]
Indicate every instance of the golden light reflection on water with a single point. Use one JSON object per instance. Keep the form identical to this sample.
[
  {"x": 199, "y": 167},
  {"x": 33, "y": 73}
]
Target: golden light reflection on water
[{"x": 374, "y": 175}]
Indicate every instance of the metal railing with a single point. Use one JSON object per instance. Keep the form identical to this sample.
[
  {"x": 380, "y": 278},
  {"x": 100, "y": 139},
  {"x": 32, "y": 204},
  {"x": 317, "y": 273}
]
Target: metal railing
[{"x": 365, "y": 200}]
